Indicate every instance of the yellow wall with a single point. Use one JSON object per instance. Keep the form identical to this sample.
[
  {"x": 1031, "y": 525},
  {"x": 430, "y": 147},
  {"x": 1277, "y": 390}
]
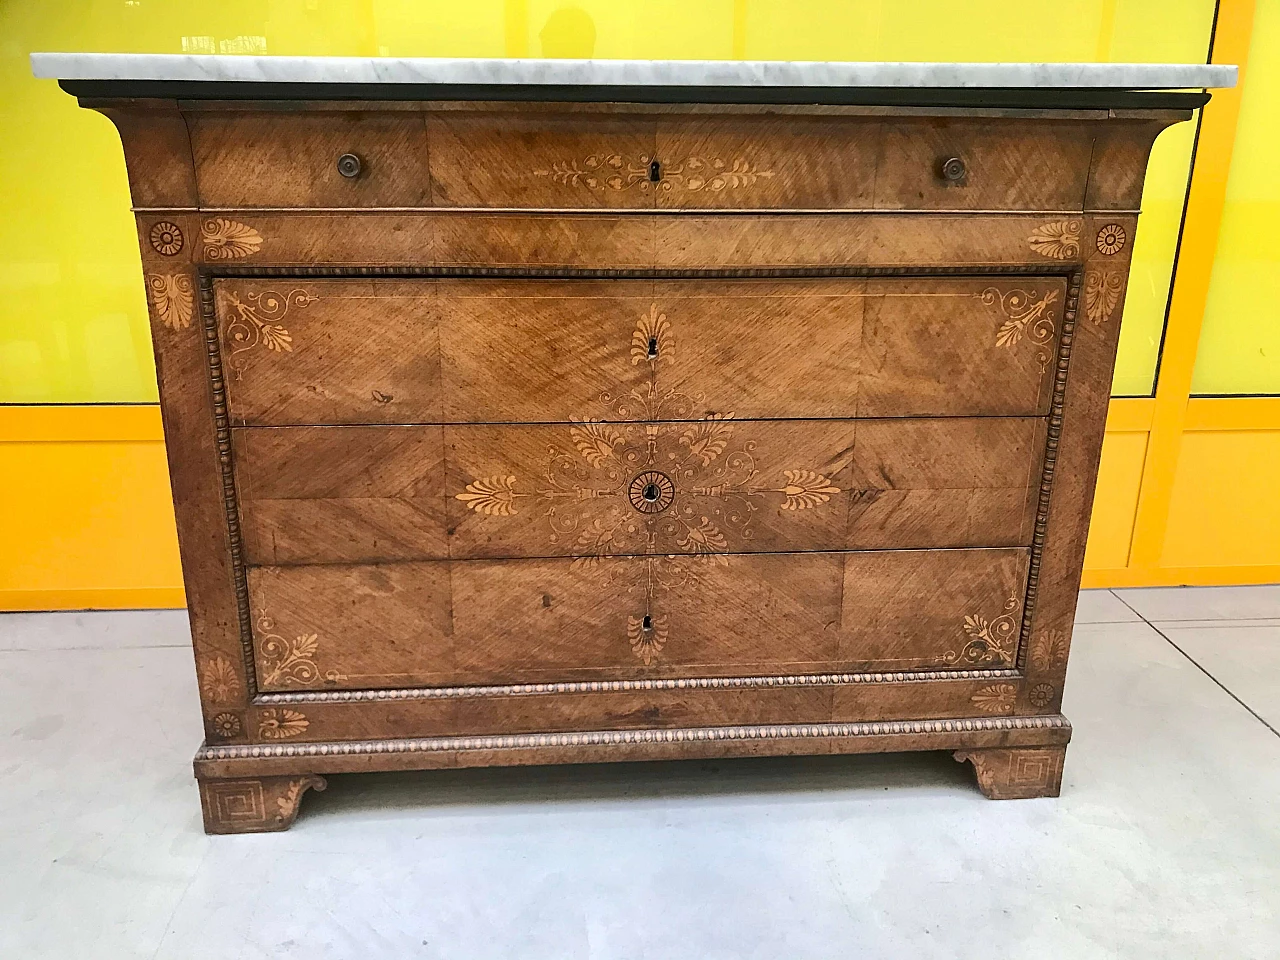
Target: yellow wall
[{"x": 85, "y": 519}]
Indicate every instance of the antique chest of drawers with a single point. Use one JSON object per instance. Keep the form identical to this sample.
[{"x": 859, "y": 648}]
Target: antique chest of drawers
[{"x": 520, "y": 425}]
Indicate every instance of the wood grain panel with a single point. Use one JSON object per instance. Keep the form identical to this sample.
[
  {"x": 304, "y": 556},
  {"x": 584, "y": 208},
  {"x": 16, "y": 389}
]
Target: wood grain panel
[
  {"x": 521, "y": 621},
  {"x": 388, "y": 493},
  {"x": 341, "y": 494},
  {"x": 540, "y": 159},
  {"x": 944, "y": 482},
  {"x": 329, "y": 351},
  {"x": 257, "y": 159},
  {"x": 479, "y": 350},
  {"x": 977, "y": 347},
  {"x": 1008, "y": 164},
  {"x": 956, "y": 607},
  {"x": 767, "y": 162},
  {"x": 342, "y": 626}
]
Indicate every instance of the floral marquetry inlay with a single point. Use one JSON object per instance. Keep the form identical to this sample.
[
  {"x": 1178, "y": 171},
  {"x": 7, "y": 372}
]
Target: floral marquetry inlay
[
  {"x": 286, "y": 662},
  {"x": 1059, "y": 240},
  {"x": 1027, "y": 315},
  {"x": 255, "y": 322},
  {"x": 673, "y": 488},
  {"x": 617, "y": 172},
  {"x": 992, "y": 642},
  {"x": 172, "y": 298}
]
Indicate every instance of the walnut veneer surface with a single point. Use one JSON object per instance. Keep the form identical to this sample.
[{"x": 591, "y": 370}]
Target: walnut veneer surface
[{"x": 509, "y": 433}]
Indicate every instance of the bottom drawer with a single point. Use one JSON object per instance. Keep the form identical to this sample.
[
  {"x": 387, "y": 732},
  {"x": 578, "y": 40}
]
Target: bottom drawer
[{"x": 519, "y": 621}]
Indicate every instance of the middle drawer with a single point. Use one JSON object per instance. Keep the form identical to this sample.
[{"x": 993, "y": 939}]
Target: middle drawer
[
  {"x": 541, "y": 351},
  {"x": 358, "y": 494}
]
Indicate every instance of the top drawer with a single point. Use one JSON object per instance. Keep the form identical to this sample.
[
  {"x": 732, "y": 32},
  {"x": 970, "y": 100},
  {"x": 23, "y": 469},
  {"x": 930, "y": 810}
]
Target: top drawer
[
  {"x": 552, "y": 351},
  {"x": 544, "y": 159}
]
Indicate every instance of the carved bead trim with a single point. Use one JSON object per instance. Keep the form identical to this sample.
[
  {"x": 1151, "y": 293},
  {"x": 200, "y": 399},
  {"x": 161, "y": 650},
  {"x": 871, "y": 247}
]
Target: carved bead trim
[
  {"x": 166, "y": 238},
  {"x": 1053, "y": 438},
  {"x": 623, "y": 686},
  {"x": 595, "y": 738}
]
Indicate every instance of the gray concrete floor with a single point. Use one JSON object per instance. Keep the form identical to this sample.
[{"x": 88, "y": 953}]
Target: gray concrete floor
[{"x": 1165, "y": 842}]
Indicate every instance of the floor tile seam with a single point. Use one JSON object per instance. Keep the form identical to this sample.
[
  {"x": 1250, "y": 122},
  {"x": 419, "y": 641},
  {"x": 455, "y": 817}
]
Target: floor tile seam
[{"x": 1195, "y": 663}]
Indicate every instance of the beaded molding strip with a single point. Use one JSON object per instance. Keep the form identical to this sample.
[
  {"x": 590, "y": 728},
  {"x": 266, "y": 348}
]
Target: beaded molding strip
[
  {"x": 595, "y": 738},
  {"x": 622, "y": 686}
]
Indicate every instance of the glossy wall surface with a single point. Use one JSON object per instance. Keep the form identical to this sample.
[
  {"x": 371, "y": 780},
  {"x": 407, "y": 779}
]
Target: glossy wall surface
[{"x": 83, "y": 512}]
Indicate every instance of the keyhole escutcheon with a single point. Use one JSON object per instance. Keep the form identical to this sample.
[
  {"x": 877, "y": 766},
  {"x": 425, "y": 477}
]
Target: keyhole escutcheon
[
  {"x": 653, "y": 348},
  {"x": 655, "y": 171},
  {"x": 647, "y": 622}
]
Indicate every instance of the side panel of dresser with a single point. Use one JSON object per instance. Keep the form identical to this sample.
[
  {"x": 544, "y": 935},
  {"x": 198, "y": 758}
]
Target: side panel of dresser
[{"x": 161, "y": 175}]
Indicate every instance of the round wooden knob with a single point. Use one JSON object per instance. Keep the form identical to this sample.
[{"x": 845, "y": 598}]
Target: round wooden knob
[
  {"x": 349, "y": 165},
  {"x": 953, "y": 170}
]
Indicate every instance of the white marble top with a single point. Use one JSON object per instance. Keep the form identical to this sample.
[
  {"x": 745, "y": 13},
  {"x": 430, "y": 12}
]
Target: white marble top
[{"x": 630, "y": 73}]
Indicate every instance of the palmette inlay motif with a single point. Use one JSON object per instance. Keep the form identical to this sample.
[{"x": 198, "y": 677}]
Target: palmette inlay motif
[
  {"x": 172, "y": 298},
  {"x": 285, "y": 662},
  {"x": 1049, "y": 650},
  {"x": 685, "y": 488},
  {"x": 1059, "y": 240},
  {"x": 1102, "y": 290},
  {"x": 219, "y": 681},
  {"x": 226, "y": 239},
  {"x": 281, "y": 724},
  {"x": 997, "y": 698}
]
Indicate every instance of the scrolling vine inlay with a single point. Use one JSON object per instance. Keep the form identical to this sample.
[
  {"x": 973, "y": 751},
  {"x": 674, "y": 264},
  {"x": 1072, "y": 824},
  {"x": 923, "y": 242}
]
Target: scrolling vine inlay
[
  {"x": 992, "y": 643},
  {"x": 255, "y": 321},
  {"x": 617, "y": 172},
  {"x": 1027, "y": 315},
  {"x": 289, "y": 662}
]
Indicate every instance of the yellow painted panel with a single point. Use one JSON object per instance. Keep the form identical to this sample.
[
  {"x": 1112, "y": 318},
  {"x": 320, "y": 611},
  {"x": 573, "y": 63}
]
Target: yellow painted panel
[
  {"x": 1116, "y": 502},
  {"x": 1224, "y": 509},
  {"x": 91, "y": 516},
  {"x": 73, "y": 324},
  {"x": 1240, "y": 339}
]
